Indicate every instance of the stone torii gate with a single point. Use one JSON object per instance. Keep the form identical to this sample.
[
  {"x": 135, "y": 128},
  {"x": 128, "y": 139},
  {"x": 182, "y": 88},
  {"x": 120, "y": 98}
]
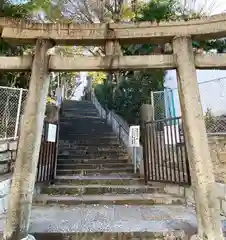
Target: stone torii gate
[{"x": 183, "y": 59}]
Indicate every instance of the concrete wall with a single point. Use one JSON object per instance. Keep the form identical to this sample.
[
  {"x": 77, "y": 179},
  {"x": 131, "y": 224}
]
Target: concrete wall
[
  {"x": 7, "y": 155},
  {"x": 7, "y": 158}
]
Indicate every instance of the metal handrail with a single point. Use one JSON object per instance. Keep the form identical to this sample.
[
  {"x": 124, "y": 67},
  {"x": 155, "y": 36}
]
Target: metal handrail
[{"x": 121, "y": 126}]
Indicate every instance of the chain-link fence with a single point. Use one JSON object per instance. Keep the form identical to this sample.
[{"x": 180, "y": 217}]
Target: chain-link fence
[
  {"x": 213, "y": 98},
  {"x": 12, "y": 101},
  {"x": 163, "y": 103}
]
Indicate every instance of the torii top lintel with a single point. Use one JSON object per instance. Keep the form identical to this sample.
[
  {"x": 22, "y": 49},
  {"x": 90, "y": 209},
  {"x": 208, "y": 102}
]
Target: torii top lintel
[{"x": 205, "y": 28}]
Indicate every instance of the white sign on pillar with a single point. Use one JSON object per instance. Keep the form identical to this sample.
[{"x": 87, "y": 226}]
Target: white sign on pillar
[
  {"x": 52, "y": 130},
  {"x": 134, "y": 136}
]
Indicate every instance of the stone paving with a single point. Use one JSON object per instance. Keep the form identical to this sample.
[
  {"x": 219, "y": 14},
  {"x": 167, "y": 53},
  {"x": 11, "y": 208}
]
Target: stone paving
[
  {"x": 99, "y": 218},
  {"x": 121, "y": 222}
]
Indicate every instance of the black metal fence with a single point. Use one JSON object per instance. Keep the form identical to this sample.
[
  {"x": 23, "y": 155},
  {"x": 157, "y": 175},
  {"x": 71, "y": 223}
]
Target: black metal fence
[
  {"x": 48, "y": 155},
  {"x": 165, "y": 154}
]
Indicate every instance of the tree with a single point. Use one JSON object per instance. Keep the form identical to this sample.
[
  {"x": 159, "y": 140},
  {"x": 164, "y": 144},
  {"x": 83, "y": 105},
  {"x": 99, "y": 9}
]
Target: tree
[
  {"x": 7, "y": 9},
  {"x": 135, "y": 87},
  {"x": 130, "y": 95}
]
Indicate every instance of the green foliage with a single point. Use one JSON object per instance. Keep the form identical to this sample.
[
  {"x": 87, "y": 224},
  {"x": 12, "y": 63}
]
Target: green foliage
[
  {"x": 9, "y": 9},
  {"x": 134, "y": 92},
  {"x": 98, "y": 77},
  {"x": 157, "y": 10},
  {"x": 135, "y": 88},
  {"x": 104, "y": 93}
]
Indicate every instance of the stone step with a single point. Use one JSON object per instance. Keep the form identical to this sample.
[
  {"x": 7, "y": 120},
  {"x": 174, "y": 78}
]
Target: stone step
[
  {"x": 74, "y": 190},
  {"x": 86, "y": 127},
  {"x": 73, "y": 136},
  {"x": 120, "y": 199},
  {"x": 73, "y": 132},
  {"x": 82, "y": 121},
  {"x": 90, "y": 141},
  {"x": 104, "y": 180},
  {"x": 147, "y": 235},
  {"x": 93, "y": 171},
  {"x": 95, "y": 152},
  {"x": 80, "y": 109},
  {"x": 88, "y": 137},
  {"x": 95, "y": 146},
  {"x": 73, "y": 108},
  {"x": 79, "y": 116},
  {"x": 118, "y": 222},
  {"x": 94, "y": 155},
  {"x": 92, "y": 161},
  {"x": 75, "y": 102},
  {"x": 63, "y": 165}
]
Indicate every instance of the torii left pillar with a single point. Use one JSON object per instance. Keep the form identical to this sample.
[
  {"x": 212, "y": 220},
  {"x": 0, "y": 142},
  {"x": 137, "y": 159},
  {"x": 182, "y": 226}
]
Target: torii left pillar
[{"x": 20, "y": 199}]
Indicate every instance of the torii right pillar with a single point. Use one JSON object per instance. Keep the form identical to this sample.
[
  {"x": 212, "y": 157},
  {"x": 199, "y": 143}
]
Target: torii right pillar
[{"x": 203, "y": 181}]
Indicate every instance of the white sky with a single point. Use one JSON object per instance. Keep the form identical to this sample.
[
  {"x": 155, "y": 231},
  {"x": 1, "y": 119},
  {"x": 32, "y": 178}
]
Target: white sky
[{"x": 213, "y": 94}]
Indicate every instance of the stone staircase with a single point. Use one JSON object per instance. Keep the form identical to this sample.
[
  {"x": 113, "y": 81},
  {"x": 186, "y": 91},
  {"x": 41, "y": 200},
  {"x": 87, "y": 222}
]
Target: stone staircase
[
  {"x": 92, "y": 166},
  {"x": 97, "y": 196}
]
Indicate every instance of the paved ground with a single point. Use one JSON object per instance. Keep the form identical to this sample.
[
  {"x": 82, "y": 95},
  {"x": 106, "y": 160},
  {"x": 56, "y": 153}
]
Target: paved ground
[
  {"x": 83, "y": 222},
  {"x": 110, "y": 218}
]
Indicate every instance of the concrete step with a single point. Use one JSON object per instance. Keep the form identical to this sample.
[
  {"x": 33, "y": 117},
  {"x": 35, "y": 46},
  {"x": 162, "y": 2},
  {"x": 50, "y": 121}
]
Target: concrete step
[
  {"x": 83, "y": 121},
  {"x": 87, "y": 111},
  {"x": 73, "y": 136},
  {"x": 94, "y": 155},
  {"x": 90, "y": 138},
  {"x": 78, "y": 116},
  {"x": 60, "y": 189},
  {"x": 93, "y": 151},
  {"x": 94, "y": 146},
  {"x": 89, "y": 142},
  {"x": 121, "y": 199},
  {"x": 92, "y": 161},
  {"x": 85, "y": 130},
  {"x": 61, "y": 165},
  {"x": 125, "y": 222},
  {"x": 80, "y": 109},
  {"x": 86, "y": 127},
  {"x": 93, "y": 171},
  {"x": 75, "y": 102},
  {"x": 104, "y": 180},
  {"x": 178, "y": 235}
]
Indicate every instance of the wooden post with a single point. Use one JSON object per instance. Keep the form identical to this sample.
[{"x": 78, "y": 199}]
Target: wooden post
[
  {"x": 203, "y": 181},
  {"x": 20, "y": 199},
  {"x": 146, "y": 116}
]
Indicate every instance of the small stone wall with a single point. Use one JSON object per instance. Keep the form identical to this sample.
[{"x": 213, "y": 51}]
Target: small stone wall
[
  {"x": 7, "y": 155},
  {"x": 187, "y": 193},
  {"x": 7, "y": 158},
  {"x": 5, "y": 184},
  {"x": 217, "y": 144}
]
